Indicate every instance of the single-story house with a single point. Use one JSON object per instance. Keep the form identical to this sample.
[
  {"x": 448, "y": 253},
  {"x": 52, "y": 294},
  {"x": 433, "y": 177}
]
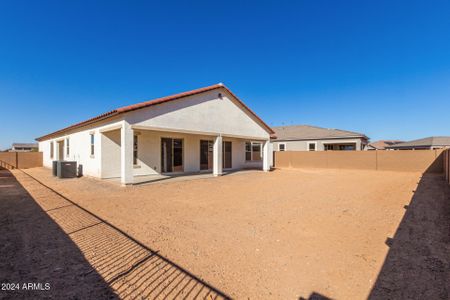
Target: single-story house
[
  {"x": 433, "y": 142},
  {"x": 313, "y": 138},
  {"x": 207, "y": 129},
  {"x": 23, "y": 147},
  {"x": 382, "y": 144}
]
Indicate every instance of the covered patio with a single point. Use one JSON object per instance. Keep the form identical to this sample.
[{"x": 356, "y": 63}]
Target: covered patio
[{"x": 142, "y": 154}]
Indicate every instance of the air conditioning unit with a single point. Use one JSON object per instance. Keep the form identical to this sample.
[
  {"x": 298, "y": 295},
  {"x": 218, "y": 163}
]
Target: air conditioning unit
[{"x": 67, "y": 169}]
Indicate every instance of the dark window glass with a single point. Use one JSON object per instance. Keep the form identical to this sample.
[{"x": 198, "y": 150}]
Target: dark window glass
[
  {"x": 92, "y": 144},
  {"x": 135, "y": 149},
  {"x": 256, "y": 151}
]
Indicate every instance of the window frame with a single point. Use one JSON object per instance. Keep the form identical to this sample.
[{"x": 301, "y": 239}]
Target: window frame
[
  {"x": 67, "y": 147},
  {"x": 311, "y": 143},
  {"x": 135, "y": 149},
  {"x": 52, "y": 150},
  {"x": 253, "y": 143},
  {"x": 92, "y": 144}
]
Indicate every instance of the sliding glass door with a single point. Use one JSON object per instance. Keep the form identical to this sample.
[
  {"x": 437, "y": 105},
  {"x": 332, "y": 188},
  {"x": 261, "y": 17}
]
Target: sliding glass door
[
  {"x": 206, "y": 155},
  {"x": 171, "y": 155}
]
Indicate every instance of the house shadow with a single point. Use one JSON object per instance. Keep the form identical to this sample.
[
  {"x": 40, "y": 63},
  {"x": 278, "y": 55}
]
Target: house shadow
[
  {"x": 315, "y": 296},
  {"x": 34, "y": 249},
  {"x": 417, "y": 265},
  {"x": 85, "y": 256}
]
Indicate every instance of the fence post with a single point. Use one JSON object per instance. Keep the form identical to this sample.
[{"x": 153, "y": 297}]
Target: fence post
[{"x": 17, "y": 160}]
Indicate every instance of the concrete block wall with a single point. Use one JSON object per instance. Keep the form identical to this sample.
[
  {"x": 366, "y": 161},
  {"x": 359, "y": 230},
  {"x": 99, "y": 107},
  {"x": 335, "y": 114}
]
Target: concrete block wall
[
  {"x": 406, "y": 160},
  {"x": 20, "y": 160}
]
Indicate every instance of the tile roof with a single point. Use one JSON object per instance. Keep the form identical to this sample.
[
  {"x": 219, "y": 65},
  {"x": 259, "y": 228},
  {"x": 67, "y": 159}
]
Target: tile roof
[
  {"x": 432, "y": 141},
  {"x": 25, "y": 145},
  {"x": 307, "y": 132},
  {"x": 381, "y": 145},
  {"x": 153, "y": 102}
]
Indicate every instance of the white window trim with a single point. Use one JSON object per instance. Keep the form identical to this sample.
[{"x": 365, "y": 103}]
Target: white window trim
[
  {"x": 91, "y": 134},
  {"x": 281, "y": 144},
  {"x": 309, "y": 143},
  {"x": 67, "y": 144},
  {"x": 251, "y": 151}
]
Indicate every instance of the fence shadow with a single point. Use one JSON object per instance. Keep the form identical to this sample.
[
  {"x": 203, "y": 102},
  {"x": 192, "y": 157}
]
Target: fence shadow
[
  {"x": 34, "y": 249},
  {"x": 417, "y": 265},
  {"x": 131, "y": 269}
]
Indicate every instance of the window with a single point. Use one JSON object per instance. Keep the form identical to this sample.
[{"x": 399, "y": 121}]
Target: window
[
  {"x": 281, "y": 147},
  {"x": 312, "y": 146},
  {"x": 253, "y": 151},
  {"x": 52, "y": 149},
  {"x": 92, "y": 144},
  {"x": 347, "y": 147},
  {"x": 328, "y": 147},
  {"x": 248, "y": 151},
  {"x": 135, "y": 150},
  {"x": 67, "y": 147}
]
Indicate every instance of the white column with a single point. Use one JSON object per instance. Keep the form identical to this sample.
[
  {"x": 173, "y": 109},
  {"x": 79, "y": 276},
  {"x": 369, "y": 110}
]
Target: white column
[
  {"x": 266, "y": 156},
  {"x": 126, "y": 154},
  {"x": 217, "y": 156}
]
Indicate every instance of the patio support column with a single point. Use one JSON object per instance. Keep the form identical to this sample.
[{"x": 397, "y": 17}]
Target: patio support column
[
  {"x": 126, "y": 154},
  {"x": 217, "y": 156},
  {"x": 266, "y": 156}
]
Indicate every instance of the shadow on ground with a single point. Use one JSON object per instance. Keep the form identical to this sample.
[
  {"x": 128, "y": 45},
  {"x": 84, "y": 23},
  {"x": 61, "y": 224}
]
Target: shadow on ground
[
  {"x": 81, "y": 255},
  {"x": 418, "y": 263},
  {"x": 34, "y": 249}
]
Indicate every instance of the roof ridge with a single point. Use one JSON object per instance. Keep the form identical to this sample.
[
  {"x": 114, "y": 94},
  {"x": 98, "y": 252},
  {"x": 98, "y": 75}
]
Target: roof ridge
[{"x": 156, "y": 101}]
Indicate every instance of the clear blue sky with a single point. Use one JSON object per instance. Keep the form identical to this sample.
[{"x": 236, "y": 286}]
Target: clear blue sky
[{"x": 378, "y": 67}]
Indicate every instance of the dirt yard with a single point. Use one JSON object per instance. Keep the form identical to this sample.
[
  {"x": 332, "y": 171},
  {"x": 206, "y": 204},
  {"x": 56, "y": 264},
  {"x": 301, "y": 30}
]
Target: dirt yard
[{"x": 287, "y": 234}]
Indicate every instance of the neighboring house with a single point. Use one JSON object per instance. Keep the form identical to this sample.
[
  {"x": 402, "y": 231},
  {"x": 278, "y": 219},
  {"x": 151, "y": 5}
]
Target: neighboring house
[
  {"x": 433, "y": 142},
  {"x": 24, "y": 147},
  {"x": 381, "y": 145},
  {"x": 312, "y": 138},
  {"x": 208, "y": 129}
]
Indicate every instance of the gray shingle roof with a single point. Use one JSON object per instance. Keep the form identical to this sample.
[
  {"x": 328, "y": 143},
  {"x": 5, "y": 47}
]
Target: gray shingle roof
[
  {"x": 307, "y": 132},
  {"x": 381, "y": 145},
  {"x": 432, "y": 141},
  {"x": 25, "y": 145}
]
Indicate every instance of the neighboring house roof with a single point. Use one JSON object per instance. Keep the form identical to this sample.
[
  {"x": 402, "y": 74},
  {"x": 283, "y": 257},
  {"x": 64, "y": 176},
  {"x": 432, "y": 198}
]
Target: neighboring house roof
[
  {"x": 307, "y": 132},
  {"x": 381, "y": 145},
  {"x": 432, "y": 141},
  {"x": 153, "y": 102},
  {"x": 25, "y": 145}
]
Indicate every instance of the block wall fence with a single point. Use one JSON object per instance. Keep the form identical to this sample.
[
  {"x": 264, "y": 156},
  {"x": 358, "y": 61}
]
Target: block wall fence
[{"x": 430, "y": 161}]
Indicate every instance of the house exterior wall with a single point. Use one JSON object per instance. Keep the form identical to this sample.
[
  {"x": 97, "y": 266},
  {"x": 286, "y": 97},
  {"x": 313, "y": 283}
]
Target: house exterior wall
[
  {"x": 302, "y": 145},
  {"x": 79, "y": 149},
  {"x": 149, "y": 152},
  {"x": 207, "y": 115}
]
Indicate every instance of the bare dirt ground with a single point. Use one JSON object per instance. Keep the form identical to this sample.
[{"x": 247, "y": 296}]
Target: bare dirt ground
[{"x": 288, "y": 234}]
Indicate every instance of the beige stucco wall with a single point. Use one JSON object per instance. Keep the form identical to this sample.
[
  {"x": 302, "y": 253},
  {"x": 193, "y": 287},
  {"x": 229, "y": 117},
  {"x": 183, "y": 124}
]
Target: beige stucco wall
[
  {"x": 80, "y": 147},
  {"x": 303, "y": 144},
  {"x": 149, "y": 152},
  {"x": 204, "y": 113}
]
